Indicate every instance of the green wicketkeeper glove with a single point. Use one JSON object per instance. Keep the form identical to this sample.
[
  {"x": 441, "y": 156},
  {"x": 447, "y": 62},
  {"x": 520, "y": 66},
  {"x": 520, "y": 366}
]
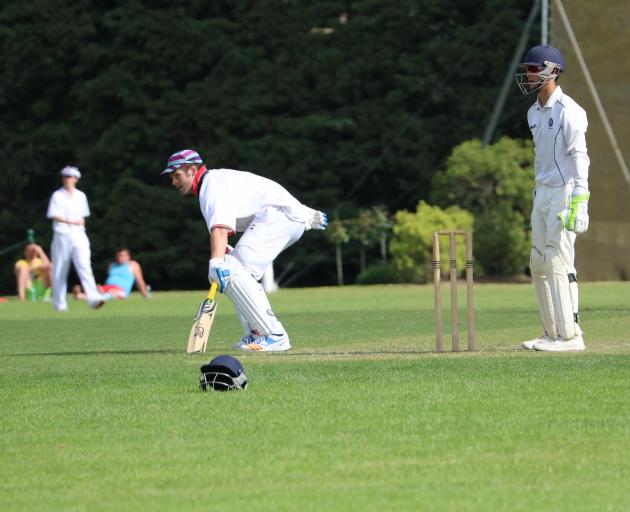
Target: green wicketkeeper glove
[{"x": 576, "y": 217}]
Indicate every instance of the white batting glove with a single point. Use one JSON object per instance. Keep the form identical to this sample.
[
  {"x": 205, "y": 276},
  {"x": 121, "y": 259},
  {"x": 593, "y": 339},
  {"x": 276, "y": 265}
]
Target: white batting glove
[
  {"x": 575, "y": 218},
  {"x": 317, "y": 220},
  {"x": 219, "y": 273}
]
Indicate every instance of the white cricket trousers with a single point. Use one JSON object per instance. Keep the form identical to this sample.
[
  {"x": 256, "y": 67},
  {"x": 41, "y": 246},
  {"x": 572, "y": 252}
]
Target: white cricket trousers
[
  {"x": 547, "y": 229},
  {"x": 269, "y": 233},
  {"x": 75, "y": 249}
]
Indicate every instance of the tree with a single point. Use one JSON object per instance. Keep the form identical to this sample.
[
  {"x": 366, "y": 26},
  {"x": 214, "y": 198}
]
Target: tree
[
  {"x": 494, "y": 183},
  {"x": 362, "y": 113},
  {"x": 338, "y": 234},
  {"x": 412, "y": 243}
]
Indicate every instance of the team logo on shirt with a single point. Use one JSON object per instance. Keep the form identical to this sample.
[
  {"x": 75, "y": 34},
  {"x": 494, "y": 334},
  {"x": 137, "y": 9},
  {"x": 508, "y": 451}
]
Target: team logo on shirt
[{"x": 550, "y": 122}]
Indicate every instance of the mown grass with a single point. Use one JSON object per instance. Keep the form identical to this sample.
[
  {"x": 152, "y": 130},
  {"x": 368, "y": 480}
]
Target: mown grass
[{"x": 101, "y": 409}]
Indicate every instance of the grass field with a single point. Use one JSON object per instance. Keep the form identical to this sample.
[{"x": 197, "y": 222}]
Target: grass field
[{"x": 101, "y": 409}]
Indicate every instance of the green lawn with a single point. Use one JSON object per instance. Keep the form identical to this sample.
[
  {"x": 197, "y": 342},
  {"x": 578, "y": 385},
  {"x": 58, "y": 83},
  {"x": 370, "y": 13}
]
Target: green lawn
[{"x": 101, "y": 409}]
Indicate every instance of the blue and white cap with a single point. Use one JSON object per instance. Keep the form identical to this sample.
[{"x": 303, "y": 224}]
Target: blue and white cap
[
  {"x": 71, "y": 170},
  {"x": 183, "y": 157}
]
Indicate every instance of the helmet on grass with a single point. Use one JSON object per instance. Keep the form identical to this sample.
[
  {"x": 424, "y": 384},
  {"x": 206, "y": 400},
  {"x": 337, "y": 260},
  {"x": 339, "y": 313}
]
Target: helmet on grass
[{"x": 223, "y": 373}]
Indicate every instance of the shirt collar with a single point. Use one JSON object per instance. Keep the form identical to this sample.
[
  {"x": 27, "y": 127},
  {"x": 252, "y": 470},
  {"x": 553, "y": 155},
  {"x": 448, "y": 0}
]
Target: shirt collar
[
  {"x": 555, "y": 96},
  {"x": 198, "y": 179}
]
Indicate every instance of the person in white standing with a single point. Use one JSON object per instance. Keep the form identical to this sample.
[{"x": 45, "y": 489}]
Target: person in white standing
[
  {"x": 68, "y": 208},
  {"x": 560, "y": 210},
  {"x": 271, "y": 220}
]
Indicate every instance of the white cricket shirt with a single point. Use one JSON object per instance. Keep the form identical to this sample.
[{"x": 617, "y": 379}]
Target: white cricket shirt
[
  {"x": 231, "y": 199},
  {"x": 559, "y": 132},
  {"x": 69, "y": 207}
]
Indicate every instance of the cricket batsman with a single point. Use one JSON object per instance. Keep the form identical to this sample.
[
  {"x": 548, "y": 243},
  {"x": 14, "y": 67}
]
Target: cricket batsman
[
  {"x": 560, "y": 210},
  {"x": 271, "y": 220}
]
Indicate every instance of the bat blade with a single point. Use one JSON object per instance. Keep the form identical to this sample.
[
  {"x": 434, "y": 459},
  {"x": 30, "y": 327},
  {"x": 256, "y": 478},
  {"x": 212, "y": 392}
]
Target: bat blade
[{"x": 200, "y": 330}]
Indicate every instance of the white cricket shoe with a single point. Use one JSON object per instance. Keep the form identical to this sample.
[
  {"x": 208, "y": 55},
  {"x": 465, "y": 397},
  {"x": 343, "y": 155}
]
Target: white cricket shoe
[
  {"x": 529, "y": 344},
  {"x": 97, "y": 304},
  {"x": 561, "y": 345},
  {"x": 245, "y": 340},
  {"x": 269, "y": 343}
]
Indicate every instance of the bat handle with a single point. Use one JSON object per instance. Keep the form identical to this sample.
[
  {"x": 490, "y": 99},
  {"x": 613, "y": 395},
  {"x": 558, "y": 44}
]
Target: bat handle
[{"x": 213, "y": 290}]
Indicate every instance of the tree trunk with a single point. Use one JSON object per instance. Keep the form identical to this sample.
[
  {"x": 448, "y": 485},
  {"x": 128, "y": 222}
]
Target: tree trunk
[
  {"x": 384, "y": 247},
  {"x": 339, "y": 265},
  {"x": 362, "y": 260}
]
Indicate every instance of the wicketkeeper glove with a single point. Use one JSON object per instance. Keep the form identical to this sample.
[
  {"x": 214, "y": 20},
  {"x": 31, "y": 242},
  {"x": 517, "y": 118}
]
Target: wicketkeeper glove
[
  {"x": 218, "y": 272},
  {"x": 317, "y": 220},
  {"x": 576, "y": 217}
]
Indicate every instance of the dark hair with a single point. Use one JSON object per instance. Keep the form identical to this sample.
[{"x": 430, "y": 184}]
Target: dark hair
[{"x": 121, "y": 249}]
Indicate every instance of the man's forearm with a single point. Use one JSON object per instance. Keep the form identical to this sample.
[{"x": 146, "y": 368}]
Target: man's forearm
[
  {"x": 218, "y": 242},
  {"x": 79, "y": 222}
]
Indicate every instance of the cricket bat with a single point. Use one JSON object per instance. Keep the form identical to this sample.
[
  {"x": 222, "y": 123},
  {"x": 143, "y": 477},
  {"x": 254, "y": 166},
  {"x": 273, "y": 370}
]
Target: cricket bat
[{"x": 200, "y": 330}]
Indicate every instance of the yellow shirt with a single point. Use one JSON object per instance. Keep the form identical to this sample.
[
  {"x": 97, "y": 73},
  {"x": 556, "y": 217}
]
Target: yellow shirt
[{"x": 35, "y": 267}]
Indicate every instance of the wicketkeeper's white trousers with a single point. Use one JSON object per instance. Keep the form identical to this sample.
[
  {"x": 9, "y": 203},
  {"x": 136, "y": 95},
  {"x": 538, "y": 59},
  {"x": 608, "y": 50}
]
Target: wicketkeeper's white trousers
[
  {"x": 547, "y": 230},
  {"x": 552, "y": 262},
  {"x": 73, "y": 249}
]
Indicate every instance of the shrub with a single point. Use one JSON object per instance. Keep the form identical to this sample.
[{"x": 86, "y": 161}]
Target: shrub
[
  {"x": 494, "y": 183},
  {"x": 502, "y": 244},
  {"x": 412, "y": 244},
  {"x": 383, "y": 273}
]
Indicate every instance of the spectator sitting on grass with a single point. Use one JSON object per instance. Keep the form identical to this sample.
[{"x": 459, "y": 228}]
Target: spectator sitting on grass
[
  {"x": 121, "y": 276},
  {"x": 33, "y": 274}
]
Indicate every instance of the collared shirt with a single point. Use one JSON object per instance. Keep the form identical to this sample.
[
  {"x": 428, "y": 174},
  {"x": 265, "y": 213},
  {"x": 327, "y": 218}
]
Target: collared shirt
[
  {"x": 559, "y": 132},
  {"x": 231, "y": 199},
  {"x": 70, "y": 207}
]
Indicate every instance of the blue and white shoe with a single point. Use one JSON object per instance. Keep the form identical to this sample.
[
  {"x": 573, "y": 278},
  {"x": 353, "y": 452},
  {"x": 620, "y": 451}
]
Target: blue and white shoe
[
  {"x": 245, "y": 340},
  {"x": 269, "y": 343}
]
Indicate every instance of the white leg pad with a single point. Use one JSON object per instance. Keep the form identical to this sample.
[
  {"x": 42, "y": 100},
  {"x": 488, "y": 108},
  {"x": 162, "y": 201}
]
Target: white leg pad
[
  {"x": 250, "y": 301},
  {"x": 543, "y": 293},
  {"x": 247, "y": 330},
  {"x": 560, "y": 293}
]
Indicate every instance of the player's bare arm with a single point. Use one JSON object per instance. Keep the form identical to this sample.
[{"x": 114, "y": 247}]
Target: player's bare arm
[
  {"x": 79, "y": 222},
  {"x": 218, "y": 241},
  {"x": 136, "y": 269}
]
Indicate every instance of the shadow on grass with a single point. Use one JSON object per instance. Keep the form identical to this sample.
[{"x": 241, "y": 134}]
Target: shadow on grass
[
  {"x": 99, "y": 352},
  {"x": 333, "y": 353}
]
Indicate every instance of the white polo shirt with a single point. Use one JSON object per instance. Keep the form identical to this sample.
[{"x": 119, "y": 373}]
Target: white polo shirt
[
  {"x": 559, "y": 132},
  {"x": 231, "y": 199},
  {"x": 70, "y": 207}
]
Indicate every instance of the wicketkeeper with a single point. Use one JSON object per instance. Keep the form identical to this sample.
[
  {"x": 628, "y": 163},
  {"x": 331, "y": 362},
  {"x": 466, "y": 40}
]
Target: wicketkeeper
[
  {"x": 271, "y": 220},
  {"x": 560, "y": 211}
]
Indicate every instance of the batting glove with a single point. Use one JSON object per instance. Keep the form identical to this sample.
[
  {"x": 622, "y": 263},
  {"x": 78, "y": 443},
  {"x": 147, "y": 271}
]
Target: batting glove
[
  {"x": 317, "y": 220},
  {"x": 575, "y": 218},
  {"x": 219, "y": 273}
]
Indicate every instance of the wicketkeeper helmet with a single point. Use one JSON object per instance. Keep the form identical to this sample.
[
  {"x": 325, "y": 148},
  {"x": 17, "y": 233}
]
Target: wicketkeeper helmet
[
  {"x": 549, "y": 63},
  {"x": 223, "y": 373}
]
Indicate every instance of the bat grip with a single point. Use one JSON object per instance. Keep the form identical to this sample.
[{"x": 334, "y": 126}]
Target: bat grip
[{"x": 213, "y": 290}]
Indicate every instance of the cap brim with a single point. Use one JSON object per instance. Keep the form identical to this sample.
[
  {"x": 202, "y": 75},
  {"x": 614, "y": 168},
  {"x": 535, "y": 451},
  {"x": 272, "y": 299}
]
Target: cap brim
[{"x": 167, "y": 171}]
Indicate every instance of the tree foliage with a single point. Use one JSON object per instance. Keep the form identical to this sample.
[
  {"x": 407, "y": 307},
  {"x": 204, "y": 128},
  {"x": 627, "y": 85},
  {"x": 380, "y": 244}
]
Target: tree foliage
[
  {"x": 494, "y": 183},
  {"x": 412, "y": 243},
  {"x": 347, "y": 104}
]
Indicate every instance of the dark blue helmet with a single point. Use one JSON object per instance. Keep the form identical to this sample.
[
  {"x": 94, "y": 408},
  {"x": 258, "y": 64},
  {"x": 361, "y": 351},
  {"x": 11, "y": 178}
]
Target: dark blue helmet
[
  {"x": 223, "y": 373},
  {"x": 542, "y": 56},
  {"x": 542, "y": 64}
]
